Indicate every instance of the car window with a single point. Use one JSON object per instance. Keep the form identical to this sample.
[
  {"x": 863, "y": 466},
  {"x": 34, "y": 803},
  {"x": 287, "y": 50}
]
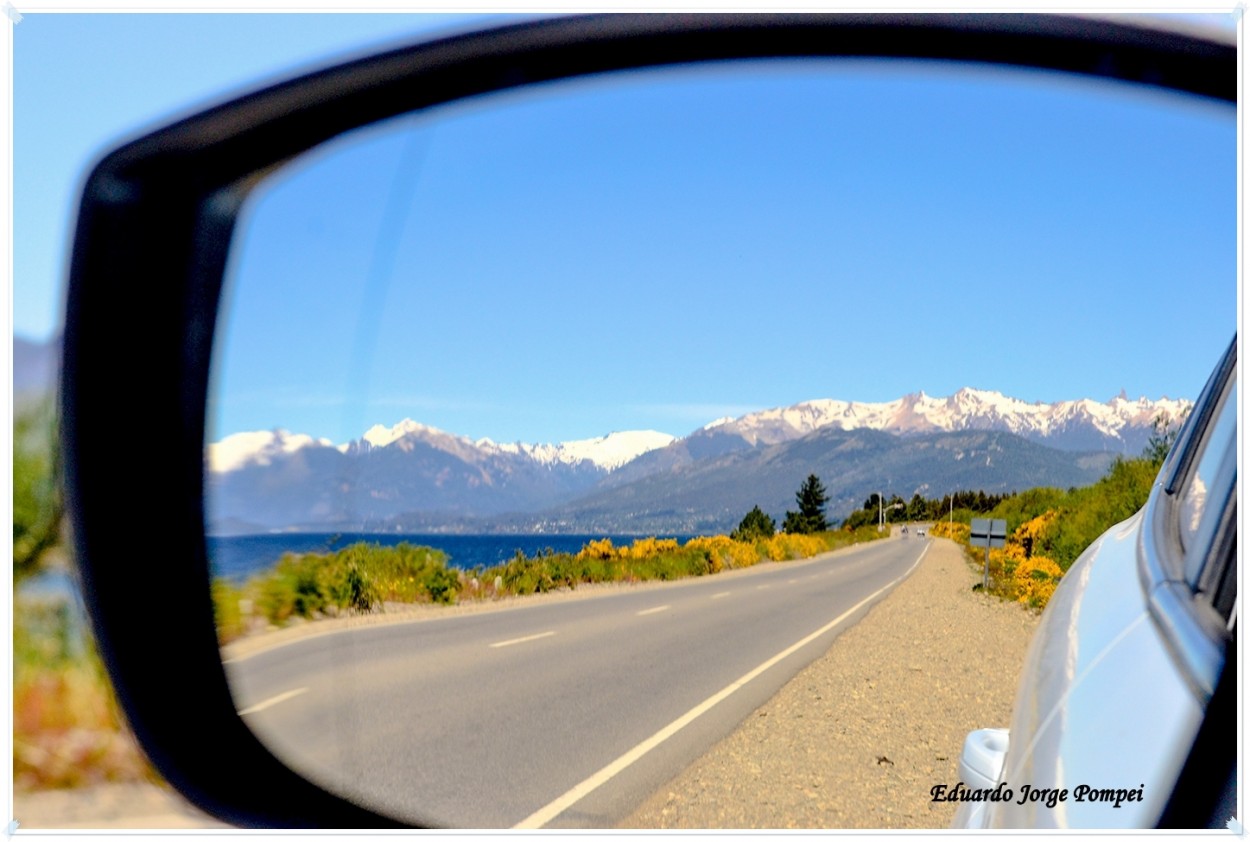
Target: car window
[
  {"x": 1204, "y": 496},
  {"x": 1188, "y": 444}
]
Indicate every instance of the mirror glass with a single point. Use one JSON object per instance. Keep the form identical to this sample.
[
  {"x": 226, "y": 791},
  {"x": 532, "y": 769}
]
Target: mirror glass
[{"x": 635, "y": 307}]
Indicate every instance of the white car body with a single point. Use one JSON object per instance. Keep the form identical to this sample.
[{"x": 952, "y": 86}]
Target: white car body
[{"x": 1127, "y": 656}]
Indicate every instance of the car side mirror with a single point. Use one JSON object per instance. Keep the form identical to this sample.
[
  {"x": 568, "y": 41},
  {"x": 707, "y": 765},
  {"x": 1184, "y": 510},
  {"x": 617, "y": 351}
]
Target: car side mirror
[{"x": 156, "y": 242}]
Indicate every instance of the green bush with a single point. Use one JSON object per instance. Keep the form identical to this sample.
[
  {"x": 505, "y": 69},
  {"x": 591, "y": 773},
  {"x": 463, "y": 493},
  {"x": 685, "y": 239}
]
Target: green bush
[
  {"x": 227, "y": 610},
  {"x": 354, "y": 579},
  {"x": 442, "y": 585}
]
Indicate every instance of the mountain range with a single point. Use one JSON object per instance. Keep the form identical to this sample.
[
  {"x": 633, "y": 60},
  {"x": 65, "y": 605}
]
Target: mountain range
[
  {"x": 414, "y": 478},
  {"x": 34, "y": 369}
]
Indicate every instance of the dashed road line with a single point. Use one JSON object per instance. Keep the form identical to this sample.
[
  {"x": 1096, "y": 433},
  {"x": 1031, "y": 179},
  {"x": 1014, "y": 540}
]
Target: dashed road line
[
  {"x": 655, "y": 610},
  {"x": 540, "y": 817},
  {"x": 268, "y": 703},
  {"x": 517, "y": 640}
]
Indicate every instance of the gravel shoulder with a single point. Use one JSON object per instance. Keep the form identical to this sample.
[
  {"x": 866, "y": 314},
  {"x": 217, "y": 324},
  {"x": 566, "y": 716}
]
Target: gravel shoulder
[{"x": 858, "y": 738}]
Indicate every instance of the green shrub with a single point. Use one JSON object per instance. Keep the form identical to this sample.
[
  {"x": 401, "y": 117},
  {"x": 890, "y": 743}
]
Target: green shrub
[
  {"x": 442, "y": 585},
  {"x": 227, "y": 611}
]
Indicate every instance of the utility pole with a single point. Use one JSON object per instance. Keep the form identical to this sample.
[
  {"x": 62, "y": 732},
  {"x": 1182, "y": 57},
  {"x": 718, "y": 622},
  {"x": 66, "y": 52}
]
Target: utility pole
[{"x": 881, "y": 511}]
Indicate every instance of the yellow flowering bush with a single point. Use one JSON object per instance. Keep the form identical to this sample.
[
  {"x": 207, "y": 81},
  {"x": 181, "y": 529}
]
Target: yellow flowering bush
[
  {"x": 955, "y": 531},
  {"x": 722, "y": 551},
  {"x": 601, "y": 549},
  {"x": 1035, "y": 580},
  {"x": 1017, "y": 574},
  {"x": 1034, "y": 530},
  {"x": 644, "y": 548},
  {"x": 784, "y": 547}
]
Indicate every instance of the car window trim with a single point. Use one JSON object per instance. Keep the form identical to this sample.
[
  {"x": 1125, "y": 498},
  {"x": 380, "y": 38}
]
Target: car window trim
[
  {"x": 1184, "y": 452},
  {"x": 1187, "y": 621},
  {"x": 1223, "y": 484}
]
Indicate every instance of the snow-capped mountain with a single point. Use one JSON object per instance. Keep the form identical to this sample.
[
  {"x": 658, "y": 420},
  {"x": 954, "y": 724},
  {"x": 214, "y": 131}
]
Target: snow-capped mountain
[
  {"x": 1120, "y": 424},
  {"x": 277, "y": 479},
  {"x": 607, "y": 452},
  {"x": 604, "y": 452},
  {"x": 411, "y": 473}
]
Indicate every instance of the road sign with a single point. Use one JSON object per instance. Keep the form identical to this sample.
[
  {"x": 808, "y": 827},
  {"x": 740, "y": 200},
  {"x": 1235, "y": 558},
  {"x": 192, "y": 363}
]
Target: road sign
[{"x": 988, "y": 533}]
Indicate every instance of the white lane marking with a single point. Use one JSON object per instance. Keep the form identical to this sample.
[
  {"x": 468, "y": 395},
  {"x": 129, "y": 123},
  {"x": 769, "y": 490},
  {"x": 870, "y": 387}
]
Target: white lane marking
[
  {"x": 521, "y": 639},
  {"x": 762, "y": 587},
  {"x": 545, "y": 814},
  {"x": 791, "y": 581},
  {"x": 719, "y": 595},
  {"x": 268, "y": 703},
  {"x": 656, "y": 610}
]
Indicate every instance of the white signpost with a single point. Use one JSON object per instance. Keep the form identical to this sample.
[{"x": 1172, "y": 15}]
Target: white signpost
[{"x": 987, "y": 533}]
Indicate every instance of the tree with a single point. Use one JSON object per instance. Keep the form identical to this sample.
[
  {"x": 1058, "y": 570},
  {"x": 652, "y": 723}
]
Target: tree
[
  {"x": 810, "y": 517},
  {"x": 37, "y": 502},
  {"x": 1161, "y": 440},
  {"x": 755, "y": 525}
]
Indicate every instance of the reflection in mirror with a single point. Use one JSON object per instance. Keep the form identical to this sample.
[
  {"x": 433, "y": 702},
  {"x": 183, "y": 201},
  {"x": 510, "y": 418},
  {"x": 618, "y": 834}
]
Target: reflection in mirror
[{"x": 562, "y": 341}]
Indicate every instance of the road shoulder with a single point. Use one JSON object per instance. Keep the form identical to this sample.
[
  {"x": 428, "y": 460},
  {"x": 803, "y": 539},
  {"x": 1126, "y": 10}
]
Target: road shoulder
[{"x": 858, "y": 738}]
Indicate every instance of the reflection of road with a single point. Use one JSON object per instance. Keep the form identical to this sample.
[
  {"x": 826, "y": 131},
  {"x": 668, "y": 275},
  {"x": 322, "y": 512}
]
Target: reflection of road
[{"x": 562, "y": 714}]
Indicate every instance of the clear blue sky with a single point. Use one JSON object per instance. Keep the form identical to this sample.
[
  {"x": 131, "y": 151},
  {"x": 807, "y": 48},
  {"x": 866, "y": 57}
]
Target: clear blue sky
[
  {"x": 660, "y": 251},
  {"x": 84, "y": 81}
]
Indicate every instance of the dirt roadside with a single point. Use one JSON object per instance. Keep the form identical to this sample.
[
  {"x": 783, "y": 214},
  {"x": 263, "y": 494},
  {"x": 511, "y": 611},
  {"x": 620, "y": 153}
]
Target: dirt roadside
[{"x": 858, "y": 738}]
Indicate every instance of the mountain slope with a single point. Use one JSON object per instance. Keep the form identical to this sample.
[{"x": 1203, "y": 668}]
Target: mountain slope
[{"x": 712, "y": 494}]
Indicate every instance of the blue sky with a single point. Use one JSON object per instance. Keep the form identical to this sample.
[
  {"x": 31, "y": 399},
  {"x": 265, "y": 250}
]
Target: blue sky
[
  {"x": 659, "y": 251},
  {"x": 82, "y": 82}
]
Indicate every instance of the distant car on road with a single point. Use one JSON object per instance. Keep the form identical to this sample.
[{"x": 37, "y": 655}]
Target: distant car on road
[{"x": 920, "y": 532}]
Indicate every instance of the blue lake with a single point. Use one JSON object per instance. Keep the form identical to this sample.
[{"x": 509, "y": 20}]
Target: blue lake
[{"x": 239, "y": 556}]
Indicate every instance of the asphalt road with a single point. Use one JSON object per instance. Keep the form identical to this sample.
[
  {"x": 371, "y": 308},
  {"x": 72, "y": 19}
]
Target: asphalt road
[{"x": 563, "y": 714}]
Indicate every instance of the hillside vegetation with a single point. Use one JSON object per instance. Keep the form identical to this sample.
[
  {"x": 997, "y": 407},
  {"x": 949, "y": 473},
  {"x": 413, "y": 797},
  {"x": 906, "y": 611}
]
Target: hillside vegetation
[{"x": 1048, "y": 529}]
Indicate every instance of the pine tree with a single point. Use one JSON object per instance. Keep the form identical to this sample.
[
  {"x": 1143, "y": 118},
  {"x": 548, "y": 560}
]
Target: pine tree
[
  {"x": 755, "y": 525},
  {"x": 810, "y": 517}
]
